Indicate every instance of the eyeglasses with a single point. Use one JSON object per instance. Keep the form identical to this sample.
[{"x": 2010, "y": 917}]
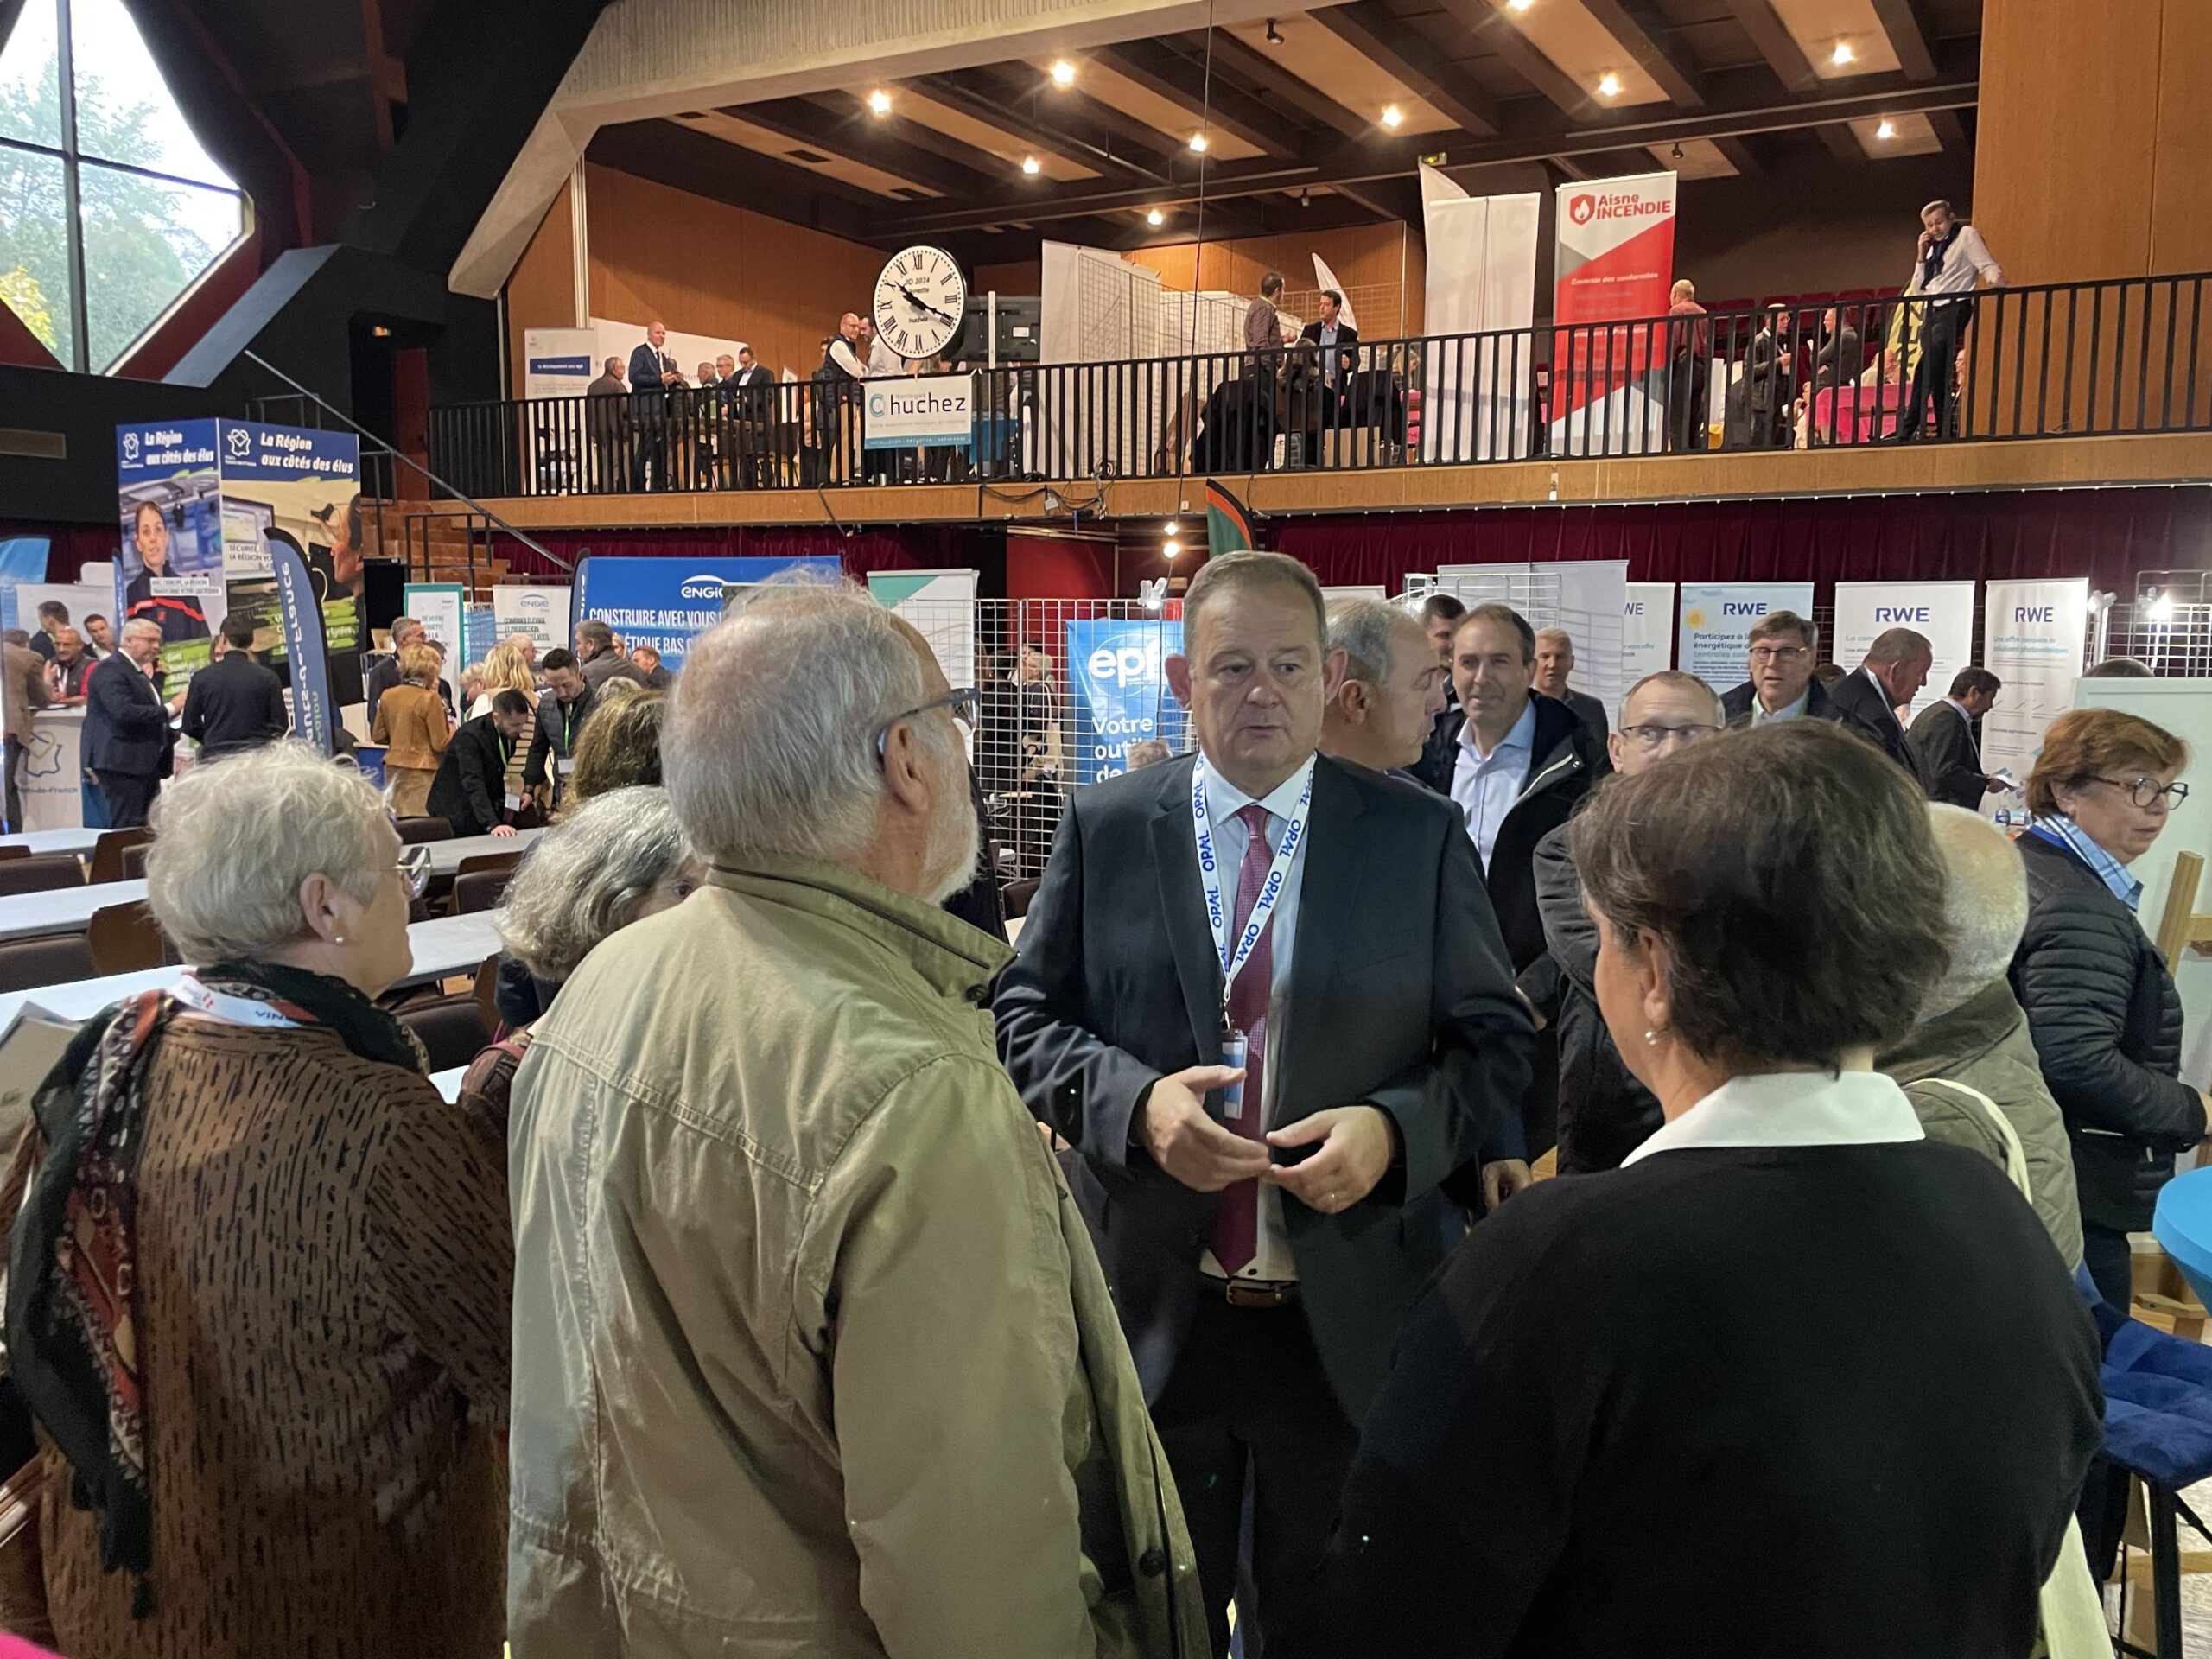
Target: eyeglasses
[
  {"x": 1777, "y": 653},
  {"x": 963, "y": 704},
  {"x": 2145, "y": 792},
  {"x": 1652, "y": 737},
  {"x": 414, "y": 867}
]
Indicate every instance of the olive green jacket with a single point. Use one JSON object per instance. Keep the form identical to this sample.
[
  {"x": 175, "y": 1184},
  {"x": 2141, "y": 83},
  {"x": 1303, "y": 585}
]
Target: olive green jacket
[
  {"x": 813, "y": 1356},
  {"x": 1984, "y": 1044}
]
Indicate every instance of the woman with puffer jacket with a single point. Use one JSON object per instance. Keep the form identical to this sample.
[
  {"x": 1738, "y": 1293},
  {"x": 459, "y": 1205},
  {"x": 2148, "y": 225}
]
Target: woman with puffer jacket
[{"x": 2101, "y": 1006}]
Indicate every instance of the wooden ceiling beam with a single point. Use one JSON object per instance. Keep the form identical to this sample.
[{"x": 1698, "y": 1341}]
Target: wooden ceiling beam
[
  {"x": 1071, "y": 121},
  {"x": 1518, "y": 53},
  {"x": 1740, "y": 155},
  {"x": 1161, "y": 70},
  {"x": 1776, "y": 44},
  {"x": 1656, "y": 49},
  {"x": 1907, "y": 39},
  {"x": 1391, "y": 46},
  {"x": 890, "y": 143},
  {"x": 1843, "y": 143},
  {"x": 1301, "y": 100}
]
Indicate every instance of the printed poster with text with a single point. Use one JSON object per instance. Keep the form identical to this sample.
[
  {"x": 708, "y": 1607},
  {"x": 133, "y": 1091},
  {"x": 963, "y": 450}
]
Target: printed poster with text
[
  {"x": 1715, "y": 641},
  {"x": 1943, "y": 612},
  {"x": 1613, "y": 261},
  {"x": 2033, "y": 637}
]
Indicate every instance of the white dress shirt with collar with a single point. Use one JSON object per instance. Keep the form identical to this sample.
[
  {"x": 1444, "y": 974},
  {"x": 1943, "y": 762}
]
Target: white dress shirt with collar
[
  {"x": 1331, "y": 358},
  {"x": 1761, "y": 714},
  {"x": 1967, "y": 260},
  {"x": 1272, "y": 1262},
  {"x": 1484, "y": 787},
  {"x": 1792, "y": 1108},
  {"x": 842, "y": 353}
]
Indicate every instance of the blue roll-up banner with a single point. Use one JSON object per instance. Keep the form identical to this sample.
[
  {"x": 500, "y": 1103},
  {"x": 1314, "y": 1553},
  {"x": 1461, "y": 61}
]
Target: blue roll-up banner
[
  {"x": 299, "y": 613},
  {"x": 1121, "y": 695},
  {"x": 666, "y": 603}
]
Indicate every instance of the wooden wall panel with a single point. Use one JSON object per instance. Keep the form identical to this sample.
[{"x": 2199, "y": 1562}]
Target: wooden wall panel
[
  {"x": 2181, "y": 191},
  {"x": 704, "y": 267},
  {"x": 1363, "y": 256},
  {"x": 542, "y": 293},
  {"x": 1021, "y": 277}
]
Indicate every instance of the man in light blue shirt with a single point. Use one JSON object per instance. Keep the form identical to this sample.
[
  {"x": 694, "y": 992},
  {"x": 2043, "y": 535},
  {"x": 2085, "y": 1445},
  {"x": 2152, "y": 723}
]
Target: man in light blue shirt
[{"x": 1485, "y": 785}]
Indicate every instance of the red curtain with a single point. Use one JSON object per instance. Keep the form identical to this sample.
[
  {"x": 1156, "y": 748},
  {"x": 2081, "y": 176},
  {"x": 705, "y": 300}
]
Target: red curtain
[{"x": 2106, "y": 535}]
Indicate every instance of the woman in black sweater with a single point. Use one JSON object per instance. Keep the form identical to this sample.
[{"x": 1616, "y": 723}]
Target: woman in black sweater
[
  {"x": 1793, "y": 1380},
  {"x": 2101, "y": 1008}
]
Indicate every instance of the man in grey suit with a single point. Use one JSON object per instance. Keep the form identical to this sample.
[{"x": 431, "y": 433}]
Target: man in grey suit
[
  {"x": 1262, "y": 994},
  {"x": 1946, "y": 740}
]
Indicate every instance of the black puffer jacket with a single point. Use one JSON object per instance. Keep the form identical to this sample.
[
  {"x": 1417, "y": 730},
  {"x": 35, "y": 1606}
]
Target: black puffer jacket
[{"x": 2107, "y": 1024}]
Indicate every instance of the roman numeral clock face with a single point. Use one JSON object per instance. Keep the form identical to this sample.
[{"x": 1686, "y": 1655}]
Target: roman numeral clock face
[{"x": 919, "y": 301}]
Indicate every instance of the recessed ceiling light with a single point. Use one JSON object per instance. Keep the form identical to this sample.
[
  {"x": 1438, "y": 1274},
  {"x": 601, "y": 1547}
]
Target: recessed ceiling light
[
  {"x": 1887, "y": 130},
  {"x": 1199, "y": 143},
  {"x": 1843, "y": 54},
  {"x": 1609, "y": 85},
  {"x": 879, "y": 103},
  {"x": 1155, "y": 218},
  {"x": 1520, "y": 5},
  {"x": 1393, "y": 117},
  {"x": 1062, "y": 74},
  {"x": 1029, "y": 165}
]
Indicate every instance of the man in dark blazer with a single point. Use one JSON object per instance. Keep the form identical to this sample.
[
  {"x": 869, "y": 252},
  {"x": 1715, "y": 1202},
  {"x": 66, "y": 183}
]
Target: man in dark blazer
[
  {"x": 1340, "y": 351},
  {"x": 1263, "y": 1244},
  {"x": 1896, "y": 668},
  {"x": 234, "y": 703},
  {"x": 128, "y": 745},
  {"x": 1783, "y": 647},
  {"x": 470, "y": 791},
  {"x": 653, "y": 376},
  {"x": 1554, "y": 662},
  {"x": 1945, "y": 739},
  {"x": 747, "y": 393}
]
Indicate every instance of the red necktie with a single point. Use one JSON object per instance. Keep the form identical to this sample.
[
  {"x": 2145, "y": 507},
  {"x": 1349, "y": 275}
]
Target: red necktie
[{"x": 1236, "y": 1238}]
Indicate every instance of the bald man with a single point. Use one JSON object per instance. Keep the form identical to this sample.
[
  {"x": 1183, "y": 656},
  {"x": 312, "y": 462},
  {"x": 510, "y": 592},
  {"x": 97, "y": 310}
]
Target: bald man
[
  {"x": 653, "y": 376},
  {"x": 1392, "y": 691}
]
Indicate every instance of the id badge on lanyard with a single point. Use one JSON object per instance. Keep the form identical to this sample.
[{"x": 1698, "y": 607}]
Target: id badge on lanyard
[{"x": 1233, "y": 955}]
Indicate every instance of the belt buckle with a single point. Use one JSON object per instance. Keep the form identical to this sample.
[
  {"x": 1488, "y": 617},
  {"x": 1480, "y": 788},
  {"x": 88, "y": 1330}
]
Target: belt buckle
[{"x": 1243, "y": 1293}]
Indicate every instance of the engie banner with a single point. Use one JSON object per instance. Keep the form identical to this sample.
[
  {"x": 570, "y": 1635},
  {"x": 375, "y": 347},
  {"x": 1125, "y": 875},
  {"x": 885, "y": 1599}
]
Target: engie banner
[
  {"x": 664, "y": 603},
  {"x": 299, "y": 610},
  {"x": 2032, "y": 637},
  {"x": 1647, "y": 630},
  {"x": 1613, "y": 259},
  {"x": 1714, "y": 643},
  {"x": 541, "y": 612},
  {"x": 1121, "y": 696},
  {"x": 1943, "y": 611}
]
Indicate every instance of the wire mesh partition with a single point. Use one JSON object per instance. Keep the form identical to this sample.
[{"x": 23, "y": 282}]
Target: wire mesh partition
[{"x": 2075, "y": 360}]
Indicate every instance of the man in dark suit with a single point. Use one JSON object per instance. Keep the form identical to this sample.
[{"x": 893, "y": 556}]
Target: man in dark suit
[
  {"x": 567, "y": 702},
  {"x": 128, "y": 745},
  {"x": 653, "y": 376},
  {"x": 1896, "y": 668},
  {"x": 748, "y": 397},
  {"x": 1554, "y": 662},
  {"x": 470, "y": 791},
  {"x": 1783, "y": 645},
  {"x": 1946, "y": 740},
  {"x": 234, "y": 703},
  {"x": 1264, "y": 1229},
  {"x": 1339, "y": 348},
  {"x": 385, "y": 673},
  {"x": 1440, "y": 621}
]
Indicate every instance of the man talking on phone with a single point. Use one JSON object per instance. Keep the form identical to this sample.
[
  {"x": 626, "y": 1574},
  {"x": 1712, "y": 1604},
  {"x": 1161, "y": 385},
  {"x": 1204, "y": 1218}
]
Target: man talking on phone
[{"x": 1261, "y": 994}]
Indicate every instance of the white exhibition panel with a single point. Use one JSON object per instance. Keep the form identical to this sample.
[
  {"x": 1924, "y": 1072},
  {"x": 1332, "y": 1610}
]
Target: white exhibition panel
[
  {"x": 2033, "y": 637},
  {"x": 1647, "y": 630},
  {"x": 1943, "y": 611},
  {"x": 1586, "y": 597},
  {"x": 1717, "y": 618},
  {"x": 53, "y": 779}
]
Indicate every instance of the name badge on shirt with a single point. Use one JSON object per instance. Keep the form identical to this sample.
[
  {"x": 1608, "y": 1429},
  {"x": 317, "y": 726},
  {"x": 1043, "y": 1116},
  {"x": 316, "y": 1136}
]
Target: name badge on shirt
[
  {"x": 1234, "y": 1052},
  {"x": 514, "y": 802},
  {"x": 565, "y": 764}
]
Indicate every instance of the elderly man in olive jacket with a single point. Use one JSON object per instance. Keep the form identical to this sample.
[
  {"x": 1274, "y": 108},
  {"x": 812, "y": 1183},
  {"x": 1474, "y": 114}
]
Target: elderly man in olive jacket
[{"x": 812, "y": 1353}]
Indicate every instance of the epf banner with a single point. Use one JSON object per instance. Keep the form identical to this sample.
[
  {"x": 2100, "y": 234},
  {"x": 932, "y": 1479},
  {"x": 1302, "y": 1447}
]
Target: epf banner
[
  {"x": 664, "y": 603},
  {"x": 1614, "y": 259},
  {"x": 1121, "y": 695},
  {"x": 1715, "y": 641},
  {"x": 1941, "y": 611}
]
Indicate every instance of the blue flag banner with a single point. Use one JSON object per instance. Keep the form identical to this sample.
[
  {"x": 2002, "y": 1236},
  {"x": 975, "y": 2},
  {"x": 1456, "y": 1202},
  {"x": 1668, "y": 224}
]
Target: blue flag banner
[
  {"x": 1121, "y": 695},
  {"x": 299, "y": 609},
  {"x": 666, "y": 603}
]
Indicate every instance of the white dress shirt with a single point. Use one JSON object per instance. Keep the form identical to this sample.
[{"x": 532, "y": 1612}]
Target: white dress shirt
[
  {"x": 1966, "y": 260},
  {"x": 1484, "y": 787},
  {"x": 1329, "y": 353},
  {"x": 1792, "y": 1108},
  {"x": 882, "y": 361},
  {"x": 1271, "y": 1262}
]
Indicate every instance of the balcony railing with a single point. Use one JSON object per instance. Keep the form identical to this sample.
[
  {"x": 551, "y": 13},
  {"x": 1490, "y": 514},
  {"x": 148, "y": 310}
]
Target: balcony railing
[{"x": 2075, "y": 360}]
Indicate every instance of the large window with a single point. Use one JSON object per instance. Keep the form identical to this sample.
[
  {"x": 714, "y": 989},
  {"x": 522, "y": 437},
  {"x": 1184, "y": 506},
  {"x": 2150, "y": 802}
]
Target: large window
[{"x": 109, "y": 209}]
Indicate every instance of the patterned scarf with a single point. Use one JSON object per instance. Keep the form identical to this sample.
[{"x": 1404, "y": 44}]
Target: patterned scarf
[{"x": 72, "y": 1330}]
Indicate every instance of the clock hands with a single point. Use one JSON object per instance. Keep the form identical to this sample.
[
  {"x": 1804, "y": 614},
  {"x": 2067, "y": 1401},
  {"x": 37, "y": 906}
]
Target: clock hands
[{"x": 920, "y": 304}]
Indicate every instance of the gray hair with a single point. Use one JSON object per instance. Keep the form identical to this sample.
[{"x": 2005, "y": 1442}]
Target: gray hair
[
  {"x": 1899, "y": 645},
  {"x": 587, "y": 876},
  {"x": 232, "y": 843},
  {"x": 1370, "y": 633},
  {"x": 769, "y": 746},
  {"x": 141, "y": 625},
  {"x": 1984, "y": 902}
]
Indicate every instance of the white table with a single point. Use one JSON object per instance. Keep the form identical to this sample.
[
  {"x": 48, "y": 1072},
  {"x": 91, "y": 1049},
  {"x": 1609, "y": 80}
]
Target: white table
[
  {"x": 52, "y": 841},
  {"x": 440, "y": 947},
  {"x": 445, "y": 855},
  {"x": 62, "y": 910}
]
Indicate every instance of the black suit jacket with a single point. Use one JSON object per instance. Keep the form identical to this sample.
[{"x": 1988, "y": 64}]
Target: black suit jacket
[
  {"x": 1865, "y": 707},
  {"x": 1400, "y": 997},
  {"x": 234, "y": 704},
  {"x": 471, "y": 787},
  {"x": 1944, "y": 742},
  {"x": 1347, "y": 348},
  {"x": 126, "y": 724}
]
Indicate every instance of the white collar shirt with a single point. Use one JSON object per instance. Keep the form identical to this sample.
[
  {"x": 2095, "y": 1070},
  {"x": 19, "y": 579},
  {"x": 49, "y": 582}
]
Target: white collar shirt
[
  {"x": 1791, "y": 1109},
  {"x": 1484, "y": 787},
  {"x": 1272, "y": 1263},
  {"x": 1761, "y": 714}
]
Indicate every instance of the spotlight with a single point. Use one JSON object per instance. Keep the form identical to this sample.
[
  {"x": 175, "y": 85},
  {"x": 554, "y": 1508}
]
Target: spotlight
[
  {"x": 1170, "y": 529},
  {"x": 879, "y": 103},
  {"x": 1155, "y": 218},
  {"x": 1887, "y": 130},
  {"x": 1678, "y": 151},
  {"x": 2161, "y": 607},
  {"x": 1273, "y": 34},
  {"x": 1393, "y": 117},
  {"x": 1199, "y": 143},
  {"x": 1305, "y": 196},
  {"x": 1609, "y": 85},
  {"x": 1169, "y": 549},
  {"x": 1520, "y": 5},
  {"x": 1842, "y": 54},
  {"x": 1030, "y": 166},
  {"x": 1062, "y": 74}
]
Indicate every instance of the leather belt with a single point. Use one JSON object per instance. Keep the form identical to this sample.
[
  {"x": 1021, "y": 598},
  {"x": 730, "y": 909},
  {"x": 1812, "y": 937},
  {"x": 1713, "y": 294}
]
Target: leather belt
[{"x": 1253, "y": 1292}]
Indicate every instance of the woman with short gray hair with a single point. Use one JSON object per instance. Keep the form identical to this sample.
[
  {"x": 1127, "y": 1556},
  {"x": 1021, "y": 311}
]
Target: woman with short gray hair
[
  {"x": 618, "y": 858},
  {"x": 259, "y": 1277},
  {"x": 1767, "y": 1374}
]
